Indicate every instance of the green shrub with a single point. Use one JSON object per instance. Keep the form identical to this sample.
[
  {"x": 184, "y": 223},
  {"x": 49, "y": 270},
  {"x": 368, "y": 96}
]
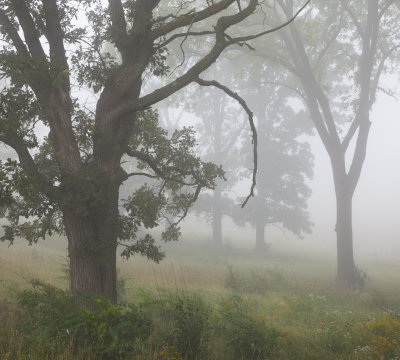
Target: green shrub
[
  {"x": 191, "y": 327},
  {"x": 48, "y": 318},
  {"x": 181, "y": 324},
  {"x": 246, "y": 336}
]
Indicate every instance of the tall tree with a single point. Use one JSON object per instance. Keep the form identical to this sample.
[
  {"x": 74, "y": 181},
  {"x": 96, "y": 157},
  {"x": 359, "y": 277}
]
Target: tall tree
[
  {"x": 72, "y": 182},
  {"x": 285, "y": 164},
  {"x": 220, "y": 130},
  {"x": 338, "y": 55}
]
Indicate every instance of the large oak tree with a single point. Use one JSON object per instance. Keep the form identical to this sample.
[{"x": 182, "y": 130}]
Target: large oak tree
[{"x": 70, "y": 180}]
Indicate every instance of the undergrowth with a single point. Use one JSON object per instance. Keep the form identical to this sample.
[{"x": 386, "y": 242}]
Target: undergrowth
[{"x": 260, "y": 315}]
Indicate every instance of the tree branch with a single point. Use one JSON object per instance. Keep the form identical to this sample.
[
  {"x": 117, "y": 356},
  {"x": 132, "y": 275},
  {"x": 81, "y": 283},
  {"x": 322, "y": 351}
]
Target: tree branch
[
  {"x": 243, "y": 103},
  {"x": 154, "y": 166},
  {"x": 28, "y": 26},
  {"x": 55, "y": 35},
  {"x": 29, "y": 165},
  {"x": 189, "y": 33},
  {"x": 119, "y": 34},
  {"x": 385, "y": 7},
  {"x": 142, "y": 174},
  {"x": 191, "y": 18},
  {"x": 353, "y": 18},
  {"x": 12, "y": 33},
  {"x": 251, "y": 37},
  {"x": 223, "y": 23},
  {"x": 350, "y": 134}
]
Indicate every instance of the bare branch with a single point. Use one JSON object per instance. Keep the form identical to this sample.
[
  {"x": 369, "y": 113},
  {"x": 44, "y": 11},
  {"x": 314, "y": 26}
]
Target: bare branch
[
  {"x": 388, "y": 93},
  {"x": 251, "y": 37},
  {"x": 142, "y": 174},
  {"x": 190, "y": 18},
  {"x": 223, "y": 23},
  {"x": 297, "y": 91},
  {"x": 189, "y": 33},
  {"x": 244, "y": 105}
]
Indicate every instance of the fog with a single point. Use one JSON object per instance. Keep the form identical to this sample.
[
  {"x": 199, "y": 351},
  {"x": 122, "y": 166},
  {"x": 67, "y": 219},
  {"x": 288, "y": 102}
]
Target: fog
[
  {"x": 376, "y": 227},
  {"x": 375, "y": 213}
]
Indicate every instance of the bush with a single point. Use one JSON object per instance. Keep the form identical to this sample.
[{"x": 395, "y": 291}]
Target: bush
[
  {"x": 181, "y": 325},
  {"x": 247, "y": 336},
  {"x": 191, "y": 327},
  {"x": 48, "y": 318}
]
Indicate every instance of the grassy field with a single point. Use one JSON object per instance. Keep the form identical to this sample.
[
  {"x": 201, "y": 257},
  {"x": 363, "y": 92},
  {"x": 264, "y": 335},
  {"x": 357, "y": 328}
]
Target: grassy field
[{"x": 225, "y": 304}]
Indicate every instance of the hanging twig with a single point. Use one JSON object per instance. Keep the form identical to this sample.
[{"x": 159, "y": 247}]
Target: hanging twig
[{"x": 244, "y": 105}]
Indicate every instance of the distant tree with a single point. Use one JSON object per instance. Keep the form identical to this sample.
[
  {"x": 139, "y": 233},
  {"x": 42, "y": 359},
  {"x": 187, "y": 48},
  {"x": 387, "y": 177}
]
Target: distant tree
[
  {"x": 71, "y": 180},
  {"x": 285, "y": 163},
  {"x": 337, "y": 55},
  {"x": 220, "y": 130}
]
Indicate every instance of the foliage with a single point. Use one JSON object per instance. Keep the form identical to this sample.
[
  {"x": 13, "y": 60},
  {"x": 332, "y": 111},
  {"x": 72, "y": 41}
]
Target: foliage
[
  {"x": 49, "y": 316},
  {"x": 302, "y": 317},
  {"x": 247, "y": 336},
  {"x": 257, "y": 282},
  {"x": 386, "y": 335},
  {"x": 178, "y": 177},
  {"x": 181, "y": 324},
  {"x": 78, "y": 70},
  {"x": 191, "y": 327}
]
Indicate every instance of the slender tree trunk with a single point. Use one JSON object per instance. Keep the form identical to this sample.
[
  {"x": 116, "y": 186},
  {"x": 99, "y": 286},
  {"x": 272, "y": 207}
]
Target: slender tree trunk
[
  {"x": 217, "y": 193},
  {"x": 92, "y": 247},
  {"x": 217, "y": 217},
  {"x": 344, "y": 236},
  {"x": 262, "y": 180},
  {"x": 260, "y": 235}
]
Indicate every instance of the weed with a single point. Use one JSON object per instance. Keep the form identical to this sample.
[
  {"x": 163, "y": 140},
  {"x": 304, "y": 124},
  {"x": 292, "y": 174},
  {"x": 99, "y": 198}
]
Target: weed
[
  {"x": 48, "y": 319},
  {"x": 247, "y": 336}
]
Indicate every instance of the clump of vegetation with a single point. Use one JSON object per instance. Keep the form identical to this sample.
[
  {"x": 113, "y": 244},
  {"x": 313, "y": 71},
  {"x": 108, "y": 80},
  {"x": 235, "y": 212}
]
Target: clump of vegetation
[
  {"x": 247, "y": 336},
  {"x": 257, "y": 282},
  {"x": 181, "y": 324},
  {"x": 298, "y": 318},
  {"x": 48, "y": 320},
  {"x": 191, "y": 327}
]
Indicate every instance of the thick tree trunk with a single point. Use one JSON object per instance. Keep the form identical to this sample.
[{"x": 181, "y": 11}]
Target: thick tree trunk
[
  {"x": 92, "y": 247},
  {"x": 344, "y": 234},
  {"x": 217, "y": 217}
]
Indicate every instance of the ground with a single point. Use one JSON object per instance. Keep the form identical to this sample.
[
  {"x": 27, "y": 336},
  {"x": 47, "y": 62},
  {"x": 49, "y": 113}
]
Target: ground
[{"x": 291, "y": 291}]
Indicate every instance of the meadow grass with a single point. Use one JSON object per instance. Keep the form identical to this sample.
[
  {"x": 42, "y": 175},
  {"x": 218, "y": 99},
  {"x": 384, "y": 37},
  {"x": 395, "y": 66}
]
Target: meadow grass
[{"x": 217, "y": 304}]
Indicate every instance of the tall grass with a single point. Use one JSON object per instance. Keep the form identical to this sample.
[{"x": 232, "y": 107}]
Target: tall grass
[{"x": 199, "y": 305}]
